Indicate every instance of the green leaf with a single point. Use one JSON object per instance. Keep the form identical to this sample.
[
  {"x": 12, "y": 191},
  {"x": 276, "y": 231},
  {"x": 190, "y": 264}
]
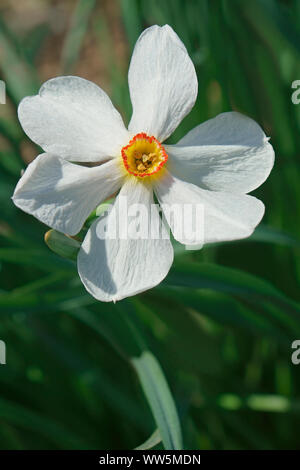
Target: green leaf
[
  {"x": 33, "y": 421},
  {"x": 222, "y": 308},
  {"x": 270, "y": 18},
  {"x": 75, "y": 37},
  {"x": 151, "y": 442},
  {"x": 234, "y": 281},
  {"x": 267, "y": 234},
  {"x": 160, "y": 399},
  {"x": 123, "y": 332},
  {"x": 132, "y": 20},
  {"x": 37, "y": 258},
  {"x": 275, "y": 403},
  {"x": 19, "y": 75},
  {"x": 258, "y": 402}
]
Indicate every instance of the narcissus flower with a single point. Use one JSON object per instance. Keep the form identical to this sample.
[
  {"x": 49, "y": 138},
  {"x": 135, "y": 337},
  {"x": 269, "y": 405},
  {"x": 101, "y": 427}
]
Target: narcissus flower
[{"x": 214, "y": 165}]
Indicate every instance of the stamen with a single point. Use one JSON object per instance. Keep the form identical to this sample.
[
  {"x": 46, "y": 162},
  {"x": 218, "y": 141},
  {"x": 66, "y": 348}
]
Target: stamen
[{"x": 144, "y": 156}]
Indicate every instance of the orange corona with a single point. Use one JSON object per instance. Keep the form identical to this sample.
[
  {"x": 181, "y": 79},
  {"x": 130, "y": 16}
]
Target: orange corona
[{"x": 144, "y": 156}]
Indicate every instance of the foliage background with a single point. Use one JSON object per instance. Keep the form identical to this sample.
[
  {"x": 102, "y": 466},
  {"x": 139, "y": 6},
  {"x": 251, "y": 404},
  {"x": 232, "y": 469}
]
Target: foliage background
[{"x": 222, "y": 323}]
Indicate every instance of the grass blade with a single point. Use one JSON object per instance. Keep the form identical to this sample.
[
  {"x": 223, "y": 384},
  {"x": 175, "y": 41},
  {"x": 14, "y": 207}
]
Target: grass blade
[
  {"x": 160, "y": 399},
  {"x": 151, "y": 442}
]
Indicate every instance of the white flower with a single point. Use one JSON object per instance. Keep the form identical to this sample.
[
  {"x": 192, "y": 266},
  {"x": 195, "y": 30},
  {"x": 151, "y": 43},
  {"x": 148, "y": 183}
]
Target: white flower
[{"x": 215, "y": 164}]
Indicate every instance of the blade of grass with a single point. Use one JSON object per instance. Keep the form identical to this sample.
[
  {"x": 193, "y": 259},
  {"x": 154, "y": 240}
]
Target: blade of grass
[
  {"x": 75, "y": 37},
  {"x": 151, "y": 442},
  {"x": 122, "y": 332}
]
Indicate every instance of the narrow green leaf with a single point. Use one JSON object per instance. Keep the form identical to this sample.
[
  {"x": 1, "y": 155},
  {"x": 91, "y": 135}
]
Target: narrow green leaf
[
  {"x": 229, "y": 280},
  {"x": 160, "y": 399},
  {"x": 132, "y": 20},
  {"x": 267, "y": 234},
  {"x": 20, "y": 76},
  {"x": 76, "y": 34},
  {"x": 35, "y": 258},
  {"x": 151, "y": 442},
  {"x": 41, "y": 301},
  {"x": 258, "y": 402},
  {"x": 275, "y": 403},
  {"x": 124, "y": 334},
  {"x": 28, "y": 419},
  {"x": 269, "y": 18},
  {"x": 223, "y": 308}
]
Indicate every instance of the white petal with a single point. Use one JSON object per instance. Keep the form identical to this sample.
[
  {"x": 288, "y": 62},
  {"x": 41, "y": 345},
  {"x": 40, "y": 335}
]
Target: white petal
[
  {"x": 114, "y": 268},
  {"x": 73, "y": 118},
  {"x": 162, "y": 81},
  {"x": 226, "y": 216},
  {"x": 62, "y": 194},
  {"x": 227, "y": 153}
]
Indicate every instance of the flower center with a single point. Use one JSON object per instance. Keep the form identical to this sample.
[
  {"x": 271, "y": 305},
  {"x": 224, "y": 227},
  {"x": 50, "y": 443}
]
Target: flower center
[{"x": 144, "y": 155}]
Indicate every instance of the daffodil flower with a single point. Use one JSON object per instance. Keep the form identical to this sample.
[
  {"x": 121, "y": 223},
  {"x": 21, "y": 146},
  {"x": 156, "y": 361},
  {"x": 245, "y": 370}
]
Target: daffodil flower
[{"x": 215, "y": 164}]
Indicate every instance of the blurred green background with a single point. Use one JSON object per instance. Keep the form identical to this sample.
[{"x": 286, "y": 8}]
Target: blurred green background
[{"x": 222, "y": 323}]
